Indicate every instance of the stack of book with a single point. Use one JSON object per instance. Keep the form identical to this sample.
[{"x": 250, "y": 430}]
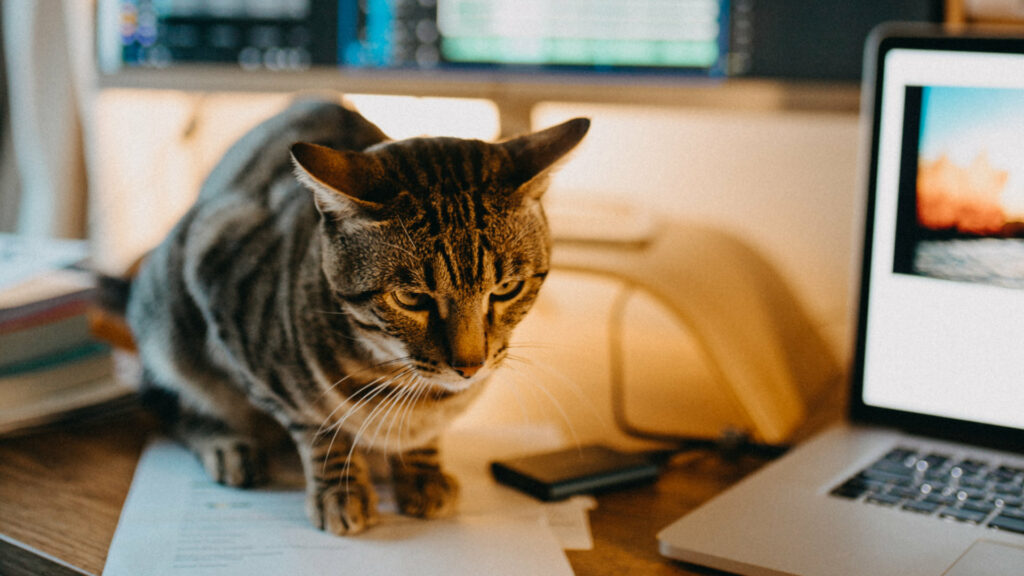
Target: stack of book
[{"x": 52, "y": 367}]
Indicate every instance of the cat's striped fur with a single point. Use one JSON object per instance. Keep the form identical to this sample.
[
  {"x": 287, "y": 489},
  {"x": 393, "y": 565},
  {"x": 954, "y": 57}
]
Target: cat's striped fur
[{"x": 352, "y": 290}]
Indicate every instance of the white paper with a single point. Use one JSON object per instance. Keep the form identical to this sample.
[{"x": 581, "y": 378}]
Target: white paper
[
  {"x": 176, "y": 522},
  {"x": 570, "y": 521},
  {"x": 468, "y": 452}
]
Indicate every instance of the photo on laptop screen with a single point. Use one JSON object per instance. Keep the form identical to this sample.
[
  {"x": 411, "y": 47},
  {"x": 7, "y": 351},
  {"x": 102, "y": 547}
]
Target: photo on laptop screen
[
  {"x": 962, "y": 217},
  {"x": 944, "y": 327}
]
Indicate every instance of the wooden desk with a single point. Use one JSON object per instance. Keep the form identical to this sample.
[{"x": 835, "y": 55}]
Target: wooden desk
[{"x": 61, "y": 492}]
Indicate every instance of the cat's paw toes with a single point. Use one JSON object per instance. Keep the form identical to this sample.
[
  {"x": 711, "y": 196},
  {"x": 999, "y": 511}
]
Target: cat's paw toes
[
  {"x": 427, "y": 494},
  {"x": 233, "y": 461},
  {"x": 345, "y": 511}
]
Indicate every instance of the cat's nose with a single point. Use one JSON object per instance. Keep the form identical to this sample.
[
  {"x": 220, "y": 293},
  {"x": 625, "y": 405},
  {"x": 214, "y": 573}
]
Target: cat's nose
[{"x": 468, "y": 371}]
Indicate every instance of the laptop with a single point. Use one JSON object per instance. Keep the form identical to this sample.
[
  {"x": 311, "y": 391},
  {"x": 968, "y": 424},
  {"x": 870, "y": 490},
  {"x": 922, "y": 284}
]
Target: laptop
[{"x": 925, "y": 475}]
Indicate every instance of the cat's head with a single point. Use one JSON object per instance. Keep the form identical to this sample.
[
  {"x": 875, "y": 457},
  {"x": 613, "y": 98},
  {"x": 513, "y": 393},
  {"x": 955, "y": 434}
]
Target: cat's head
[{"x": 436, "y": 247}]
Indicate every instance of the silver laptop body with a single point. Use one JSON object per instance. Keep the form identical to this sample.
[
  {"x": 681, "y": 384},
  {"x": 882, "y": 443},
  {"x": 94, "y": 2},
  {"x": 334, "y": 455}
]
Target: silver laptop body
[{"x": 925, "y": 477}]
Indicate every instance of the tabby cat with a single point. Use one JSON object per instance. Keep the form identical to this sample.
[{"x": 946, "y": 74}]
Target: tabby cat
[{"x": 352, "y": 290}]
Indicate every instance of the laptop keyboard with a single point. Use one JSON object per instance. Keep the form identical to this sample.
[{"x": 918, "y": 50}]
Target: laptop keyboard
[{"x": 957, "y": 489}]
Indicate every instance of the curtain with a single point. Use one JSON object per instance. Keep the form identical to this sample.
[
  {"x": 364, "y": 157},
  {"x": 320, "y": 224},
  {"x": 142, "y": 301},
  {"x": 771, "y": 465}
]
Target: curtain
[
  {"x": 43, "y": 123},
  {"x": 10, "y": 187}
]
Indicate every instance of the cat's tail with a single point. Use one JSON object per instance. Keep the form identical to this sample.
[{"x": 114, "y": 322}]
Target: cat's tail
[{"x": 108, "y": 319}]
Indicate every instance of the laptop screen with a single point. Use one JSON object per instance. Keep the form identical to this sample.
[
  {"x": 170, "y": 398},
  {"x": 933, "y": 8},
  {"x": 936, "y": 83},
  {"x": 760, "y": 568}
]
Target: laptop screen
[{"x": 942, "y": 317}]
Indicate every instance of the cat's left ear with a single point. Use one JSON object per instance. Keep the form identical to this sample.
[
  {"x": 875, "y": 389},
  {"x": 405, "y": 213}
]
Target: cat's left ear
[
  {"x": 534, "y": 154},
  {"x": 342, "y": 181}
]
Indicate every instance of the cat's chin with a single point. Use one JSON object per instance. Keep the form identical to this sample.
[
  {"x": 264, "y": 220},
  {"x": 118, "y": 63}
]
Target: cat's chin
[
  {"x": 454, "y": 383},
  {"x": 452, "y": 386}
]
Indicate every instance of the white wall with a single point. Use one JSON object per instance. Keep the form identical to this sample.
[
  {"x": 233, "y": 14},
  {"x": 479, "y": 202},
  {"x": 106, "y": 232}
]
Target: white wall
[{"x": 784, "y": 181}]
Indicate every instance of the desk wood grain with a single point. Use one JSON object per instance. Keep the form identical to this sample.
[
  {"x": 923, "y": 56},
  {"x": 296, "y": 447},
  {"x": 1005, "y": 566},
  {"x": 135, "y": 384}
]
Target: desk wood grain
[
  {"x": 61, "y": 492},
  {"x": 626, "y": 523}
]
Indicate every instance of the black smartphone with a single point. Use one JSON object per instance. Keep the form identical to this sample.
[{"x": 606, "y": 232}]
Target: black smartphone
[{"x": 585, "y": 470}]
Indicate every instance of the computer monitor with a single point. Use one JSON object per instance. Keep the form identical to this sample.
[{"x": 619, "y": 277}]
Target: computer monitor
[
  {"x": 513, "y": 36},
  {"x": 515, "y": 52}
]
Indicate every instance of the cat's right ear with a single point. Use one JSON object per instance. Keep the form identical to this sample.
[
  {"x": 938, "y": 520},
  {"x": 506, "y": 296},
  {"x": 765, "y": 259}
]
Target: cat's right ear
[
  {"x": 343, "y": 182},
  {"x": 533, "y": 155}
]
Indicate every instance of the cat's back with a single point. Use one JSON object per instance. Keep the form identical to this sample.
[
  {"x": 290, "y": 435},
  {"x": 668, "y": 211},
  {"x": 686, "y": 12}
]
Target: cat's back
[
  {"x": 261, "y": 157},
  {"x": 252, "y": 192},
  {"x": 251, "y": 218}
]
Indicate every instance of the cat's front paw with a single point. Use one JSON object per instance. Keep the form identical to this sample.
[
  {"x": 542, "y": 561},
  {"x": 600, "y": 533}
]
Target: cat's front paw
[
  {"x": 232, "y": 461},
  {"x": 426, "y": 493},
  {"x": 342, "y": 510}
]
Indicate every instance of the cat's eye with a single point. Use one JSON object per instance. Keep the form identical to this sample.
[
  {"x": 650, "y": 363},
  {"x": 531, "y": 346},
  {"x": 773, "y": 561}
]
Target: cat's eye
[
  {"x": 411, "y": 300},
  {"x": 507, "y": 290}
]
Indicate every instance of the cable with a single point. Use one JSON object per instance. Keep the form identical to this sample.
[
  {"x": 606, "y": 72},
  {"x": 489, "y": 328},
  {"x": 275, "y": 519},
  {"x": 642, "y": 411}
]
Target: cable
[{"x": 732, "y": 442}]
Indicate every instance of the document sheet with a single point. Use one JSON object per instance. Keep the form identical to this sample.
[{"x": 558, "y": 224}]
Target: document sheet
[{"x": 177, "y": 522}]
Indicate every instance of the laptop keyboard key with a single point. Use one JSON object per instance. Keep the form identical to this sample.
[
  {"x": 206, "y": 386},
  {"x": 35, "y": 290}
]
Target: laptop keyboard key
[
  {"x": 884, "y": 499},
  {"x": 932, "y": 461},
  {"x": 966, "y": 490},
  {"x": 1015, "y": 514},
  {"x": 1009, "y": 501},
  {"x": 961, "y": 515},
  {"x": 921, "y": 506},
  {"x": 895, "y": 468},
  {"x": 1006, "y": 522},
  {"x": 908, "y": 493},
  {"x": 1005, "y": 474},
  {"x": 984, "y": 507},
  {"x": 971, "y": 494},
  {"x": 939, "y": 498},
  {"x": 888, "y": 478},
  {"x": 900, "y": 454},
  {"x": 973, "y": 482},
  {"x": 1007, "y": 489},
  {"x": 971, "y": 467}
]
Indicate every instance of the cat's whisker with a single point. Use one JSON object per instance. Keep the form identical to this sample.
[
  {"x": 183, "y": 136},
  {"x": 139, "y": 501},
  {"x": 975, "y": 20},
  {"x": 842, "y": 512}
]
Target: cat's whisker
[
  {"x": 363, "y": 370},
  {"x": 407, "y": 406},
  {"x": 402, "y": 248},
  {"x": 410, "y": 384},
  {"x": 519, "y": 399},
  {"x": 518, "y": 386},
  {"x": 408, "y": 236},
  {"x": 366, "y": 390},
  {"x": 354, "y": 441},
  {"x": 377, "y": 390},
  {"x": 411, "y": 388},
  {"x": 406, "y": 392},
  {"x": 547, "y": 370},
  {"x": 371, "y": 390},
  {"x": 388, "y": 399},
  {"x": 403, "y": 387},
  {"x": 421, "y": 386},
  {"x": 393, "y": 390},
  {"x": 378, "y": 386},
  {"x": 395, "y": 373},
  {"x": 537, "y": 346},
  {"x": 329, "y": 422},
  {"x": 337, "y": 426},
  {"x": 558, "y": 406},
  {"x": 570, "y": 384},
  {"x": 340, "y": 381}
]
